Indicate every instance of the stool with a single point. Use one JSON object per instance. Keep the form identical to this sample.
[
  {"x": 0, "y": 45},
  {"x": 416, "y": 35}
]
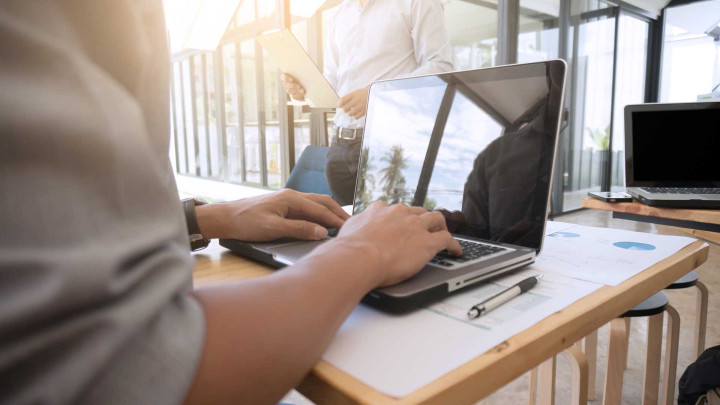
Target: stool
[
  {"x": 652, "y": 308},
  {"x": 687, "y": 281},
  {"x": 546, "y": 380},
  {"x": 584, "y": 383}
]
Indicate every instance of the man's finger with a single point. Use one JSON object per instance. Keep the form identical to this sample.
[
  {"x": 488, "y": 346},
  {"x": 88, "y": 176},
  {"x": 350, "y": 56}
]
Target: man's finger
[
  {"x": 417, "y": 210},
  {"x": 434, "y": 221},
  {"x": 301, "y": 207},
  {"x": 301, "y": 229},
  {"x": 328, "y": 202},
  {"x": 444, "y": 240}
]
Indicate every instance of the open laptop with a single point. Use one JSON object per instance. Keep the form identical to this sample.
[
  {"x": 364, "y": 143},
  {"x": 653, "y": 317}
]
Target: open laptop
[
  {"x": 478, "y": 145},
  {"x": 671, "y": 154}
]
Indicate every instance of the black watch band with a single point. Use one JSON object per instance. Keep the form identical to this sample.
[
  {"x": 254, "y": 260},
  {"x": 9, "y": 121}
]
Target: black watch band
[{"x": 197, "y": 240}]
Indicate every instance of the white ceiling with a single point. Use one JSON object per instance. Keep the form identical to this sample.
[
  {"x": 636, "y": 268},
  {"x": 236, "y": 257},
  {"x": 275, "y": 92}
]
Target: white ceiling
[{"x": 695, "y": 18}]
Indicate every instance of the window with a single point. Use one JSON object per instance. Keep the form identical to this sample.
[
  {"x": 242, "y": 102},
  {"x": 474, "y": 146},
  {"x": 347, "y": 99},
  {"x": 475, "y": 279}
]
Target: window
[
  {"x": 230, "y": 120},
  {"x": 538, "y": 38},
  {"x": 473, "y": 33},
  {"x": 629, "y": 87},
  {"x": 691, "y": 51}
]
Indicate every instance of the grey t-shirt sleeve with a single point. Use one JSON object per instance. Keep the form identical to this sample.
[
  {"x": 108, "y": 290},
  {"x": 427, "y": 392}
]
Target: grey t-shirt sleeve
[{"x": 94, "y": 263}]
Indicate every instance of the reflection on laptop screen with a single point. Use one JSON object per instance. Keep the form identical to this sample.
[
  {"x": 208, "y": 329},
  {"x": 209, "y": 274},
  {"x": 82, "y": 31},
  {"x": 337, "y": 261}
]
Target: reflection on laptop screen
[{"x": 477, "y": 145}]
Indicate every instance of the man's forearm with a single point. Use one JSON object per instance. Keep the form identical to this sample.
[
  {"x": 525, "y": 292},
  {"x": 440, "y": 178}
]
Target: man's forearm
[{"x": 302, "y": 308}]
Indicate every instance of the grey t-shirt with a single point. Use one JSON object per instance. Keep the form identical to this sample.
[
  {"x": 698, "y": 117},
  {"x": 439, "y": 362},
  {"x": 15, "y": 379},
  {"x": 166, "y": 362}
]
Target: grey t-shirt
[{"x": 94, "y": 262}]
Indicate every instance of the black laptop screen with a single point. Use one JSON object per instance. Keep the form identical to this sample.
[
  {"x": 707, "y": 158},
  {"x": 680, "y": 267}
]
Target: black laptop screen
[
  {"x": 476, "y": 145},
  {"x": 676, "y": 147}
]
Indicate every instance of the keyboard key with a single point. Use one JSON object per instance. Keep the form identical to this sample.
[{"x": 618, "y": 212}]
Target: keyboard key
[
  {"x": 682, "y": 190},
  {"x": 471, "y": 251}
]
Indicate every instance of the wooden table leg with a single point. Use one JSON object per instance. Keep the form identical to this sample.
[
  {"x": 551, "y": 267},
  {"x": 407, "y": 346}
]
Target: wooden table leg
[
  {"x": 651, "y": 383},
  {"x": 579, "y": 366},
  {"x": 546, "y": 382},
  {"x": 701, "y": 318},
  {"x": 628, "y": 325},
  {"x": 532, "y": 391},
  {"x": 590, "y": 348},
  {"x": 616, "y": 362},
  {"x": 671, "y": 353}
]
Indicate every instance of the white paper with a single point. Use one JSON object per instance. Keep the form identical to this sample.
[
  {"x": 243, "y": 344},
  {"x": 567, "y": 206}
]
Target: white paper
[
  {"x": 602, "y": 255},
  {"x": 398, "y": 354},
  {"x": 556, "y": 226}
]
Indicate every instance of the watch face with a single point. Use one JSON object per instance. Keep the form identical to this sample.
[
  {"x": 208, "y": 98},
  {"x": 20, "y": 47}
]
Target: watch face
[
  {"x": 196, "y": 237},
  {"x": 197, "y": 242}
]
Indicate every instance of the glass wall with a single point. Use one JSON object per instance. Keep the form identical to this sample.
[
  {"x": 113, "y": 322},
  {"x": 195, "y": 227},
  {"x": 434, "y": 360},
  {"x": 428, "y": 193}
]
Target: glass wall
[
  {"x": 538, "y": 37},
  {"x": 231, "y": 121},
  {"x": 473, "y": 33},
  {"x": 591, "y": 103},
  {"x": 630, "y": 80},
  {"x": 691, "y": 51}
]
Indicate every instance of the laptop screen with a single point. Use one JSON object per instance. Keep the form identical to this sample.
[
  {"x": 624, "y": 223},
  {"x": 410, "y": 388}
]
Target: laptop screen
[
  {"x": 476, "y": 145},
  {"x": 675, "y": 145}
]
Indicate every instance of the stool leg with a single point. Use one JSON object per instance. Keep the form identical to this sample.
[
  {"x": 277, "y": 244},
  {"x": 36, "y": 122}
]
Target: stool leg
[
  {"x": 590, "y": 348},
  {"x": 628, "y": 324},
  {"x": 652, "y": 359},
  {"x": 701, "y": 318},
  {"x": 616, "y": 362},
  {"x": 671, "y": 354},
  {"x": 532, "y": 392},
  {"x": 579, "y": 365},
  {"x": 546, "y": 382}
]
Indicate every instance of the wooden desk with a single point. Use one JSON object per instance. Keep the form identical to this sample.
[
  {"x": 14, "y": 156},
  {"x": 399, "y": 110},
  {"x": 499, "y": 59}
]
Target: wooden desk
[
  {"x": 703, "y": 220},
  {"x": 483, "y": 375}
]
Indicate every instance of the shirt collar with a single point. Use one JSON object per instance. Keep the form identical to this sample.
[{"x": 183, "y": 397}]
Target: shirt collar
[{"x": 358, "y": 6}]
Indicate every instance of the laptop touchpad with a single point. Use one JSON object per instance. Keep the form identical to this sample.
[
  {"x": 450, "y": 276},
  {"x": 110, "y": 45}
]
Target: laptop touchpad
[{"x": 295, "y": 251}]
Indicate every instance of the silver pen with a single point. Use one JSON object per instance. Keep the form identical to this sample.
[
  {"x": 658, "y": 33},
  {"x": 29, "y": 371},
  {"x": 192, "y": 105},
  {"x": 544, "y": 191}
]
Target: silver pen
[{"x": 503, "y": 297}]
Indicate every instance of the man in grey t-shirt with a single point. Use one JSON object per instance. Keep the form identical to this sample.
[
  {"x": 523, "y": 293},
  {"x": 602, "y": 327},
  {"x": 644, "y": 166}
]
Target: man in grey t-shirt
[{"x": 96, "y": 304}]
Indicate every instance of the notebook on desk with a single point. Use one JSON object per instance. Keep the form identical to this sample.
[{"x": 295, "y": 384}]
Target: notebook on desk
[{"x": 478, "y": 145}]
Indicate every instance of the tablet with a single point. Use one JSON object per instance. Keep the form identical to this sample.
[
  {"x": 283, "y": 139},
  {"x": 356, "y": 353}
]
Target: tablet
[{"x": 291, "y": 58}]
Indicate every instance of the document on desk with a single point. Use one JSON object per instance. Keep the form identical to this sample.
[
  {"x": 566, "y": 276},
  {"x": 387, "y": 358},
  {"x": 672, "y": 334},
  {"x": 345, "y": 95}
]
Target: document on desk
[
  {"x": 603, "y": 255},
  {"x": 398, "y": 354}
]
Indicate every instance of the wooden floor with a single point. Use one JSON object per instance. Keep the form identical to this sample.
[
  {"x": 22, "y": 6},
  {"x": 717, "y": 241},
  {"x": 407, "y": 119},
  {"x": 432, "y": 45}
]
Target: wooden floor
[{"x": 683, "y": 300}]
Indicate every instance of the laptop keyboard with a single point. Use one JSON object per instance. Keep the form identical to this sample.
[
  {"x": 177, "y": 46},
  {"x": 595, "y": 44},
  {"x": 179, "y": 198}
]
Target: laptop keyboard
[
  {"x": 471, "y": 251},
  {"x": 682, "y": 190}
]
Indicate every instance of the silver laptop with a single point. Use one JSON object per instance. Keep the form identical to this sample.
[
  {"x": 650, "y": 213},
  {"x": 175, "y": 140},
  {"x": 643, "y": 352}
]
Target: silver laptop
[
  {"x": 478, "y": 146},
  {"x": 671, "y": 154}
]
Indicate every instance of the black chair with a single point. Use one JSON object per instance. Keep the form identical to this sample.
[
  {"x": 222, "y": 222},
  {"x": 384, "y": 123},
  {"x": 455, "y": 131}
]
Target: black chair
[{"x": 308, "y": 175}]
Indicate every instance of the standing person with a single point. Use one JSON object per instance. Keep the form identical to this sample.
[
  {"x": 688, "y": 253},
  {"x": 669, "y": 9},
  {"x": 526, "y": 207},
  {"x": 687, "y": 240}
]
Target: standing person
[{"x": 370, "y": 40}]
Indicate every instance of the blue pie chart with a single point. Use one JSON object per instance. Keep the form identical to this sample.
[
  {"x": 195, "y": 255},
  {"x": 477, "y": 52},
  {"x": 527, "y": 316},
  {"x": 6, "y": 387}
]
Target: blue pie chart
[
  {"x": 634, "y": 246},
  {"x": 564, "y": 235}
]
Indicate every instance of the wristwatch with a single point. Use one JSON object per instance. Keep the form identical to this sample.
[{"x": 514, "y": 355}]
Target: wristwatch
[{"x": 197, "y": 240}]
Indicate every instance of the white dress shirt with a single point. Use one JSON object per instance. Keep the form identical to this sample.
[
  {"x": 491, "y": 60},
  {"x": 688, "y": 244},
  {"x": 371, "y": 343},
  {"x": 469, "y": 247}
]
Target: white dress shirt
[{"x": 385, "y": 39}]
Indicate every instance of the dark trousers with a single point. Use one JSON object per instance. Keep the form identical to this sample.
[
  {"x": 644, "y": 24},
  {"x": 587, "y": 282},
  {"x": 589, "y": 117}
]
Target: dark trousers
[{"x": 341, "y": 167}]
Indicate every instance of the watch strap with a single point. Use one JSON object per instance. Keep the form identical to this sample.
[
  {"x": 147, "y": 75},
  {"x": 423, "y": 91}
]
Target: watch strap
[{"x": 197, "y": 240}]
